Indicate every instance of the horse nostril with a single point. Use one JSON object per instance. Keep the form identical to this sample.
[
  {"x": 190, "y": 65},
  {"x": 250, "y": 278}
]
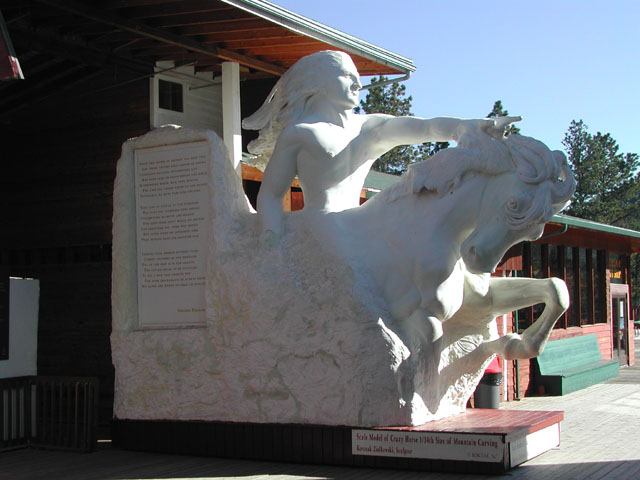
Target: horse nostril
[{"x": 472, "y": 251}]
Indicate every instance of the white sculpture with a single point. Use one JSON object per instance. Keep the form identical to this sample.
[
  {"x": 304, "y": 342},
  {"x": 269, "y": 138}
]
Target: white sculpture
[
  {"x": 377, "y": 315},
  {"x": 427, "y": 243},
  {"x": 308, "y": 117}
]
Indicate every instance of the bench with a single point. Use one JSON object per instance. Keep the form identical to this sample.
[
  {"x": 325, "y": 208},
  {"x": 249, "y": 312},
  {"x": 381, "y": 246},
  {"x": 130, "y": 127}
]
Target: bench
[{"x": 571, "y": 364}]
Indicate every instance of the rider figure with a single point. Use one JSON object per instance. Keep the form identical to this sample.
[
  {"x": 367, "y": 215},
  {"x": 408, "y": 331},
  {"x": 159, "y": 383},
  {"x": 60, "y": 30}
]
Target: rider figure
[{"x": 309, "y": 117}]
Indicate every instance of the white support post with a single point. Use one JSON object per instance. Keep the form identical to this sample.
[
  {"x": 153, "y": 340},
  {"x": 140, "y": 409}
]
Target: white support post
[
  {"x": 153, "y": 93},
  {"x": 231, "y": 121}
]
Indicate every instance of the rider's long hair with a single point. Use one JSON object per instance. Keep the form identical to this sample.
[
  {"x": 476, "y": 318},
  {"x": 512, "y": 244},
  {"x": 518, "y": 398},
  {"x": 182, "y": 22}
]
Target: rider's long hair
[{"x": 289, "y": 97}]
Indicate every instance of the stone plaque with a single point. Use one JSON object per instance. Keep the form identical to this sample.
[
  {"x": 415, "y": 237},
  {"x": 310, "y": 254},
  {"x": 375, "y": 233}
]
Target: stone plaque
[{"x": 172, "y": 219}]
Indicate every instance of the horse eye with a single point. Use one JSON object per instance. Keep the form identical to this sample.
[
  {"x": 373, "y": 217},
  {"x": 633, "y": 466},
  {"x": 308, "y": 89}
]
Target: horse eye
[{"x": 512, "y": 204}]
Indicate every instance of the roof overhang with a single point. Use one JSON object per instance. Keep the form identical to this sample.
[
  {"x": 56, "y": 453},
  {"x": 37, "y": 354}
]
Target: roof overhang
[
  {"x": 573, "y": 231},
  {"x": 260, "y": 36},
  {"x": 62, "y": 43},
  {"x": 325, "y": 34}
]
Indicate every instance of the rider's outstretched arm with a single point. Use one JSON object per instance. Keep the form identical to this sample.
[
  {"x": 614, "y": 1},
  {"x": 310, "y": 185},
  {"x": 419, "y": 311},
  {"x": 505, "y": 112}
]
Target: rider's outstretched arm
[{"x": 384, "y": 132}]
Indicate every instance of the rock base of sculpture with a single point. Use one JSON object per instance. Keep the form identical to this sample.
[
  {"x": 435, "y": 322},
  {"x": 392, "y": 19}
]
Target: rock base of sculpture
[
  {"x": 291, "y": 334},
  {"x": 502, "y": 440}
]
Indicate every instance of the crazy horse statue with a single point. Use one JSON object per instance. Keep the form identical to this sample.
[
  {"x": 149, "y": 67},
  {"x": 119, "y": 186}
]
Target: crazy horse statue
[
  {"x": 339, "y": 314},
  {"x": 376, "y": 315}
]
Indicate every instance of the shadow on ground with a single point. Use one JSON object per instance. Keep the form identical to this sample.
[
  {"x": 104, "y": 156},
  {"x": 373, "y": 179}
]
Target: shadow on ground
[{"x": 114, "y": 464}]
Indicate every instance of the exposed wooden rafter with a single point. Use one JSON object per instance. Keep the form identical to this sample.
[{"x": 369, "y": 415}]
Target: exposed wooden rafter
[
  {"x": 162, "y": 35},
  {"x": 49, "y": 41},
  {"x": 155, "y": 10}
]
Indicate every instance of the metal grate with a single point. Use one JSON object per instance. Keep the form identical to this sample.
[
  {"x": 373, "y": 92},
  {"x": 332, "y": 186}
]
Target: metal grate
[{"x": 52, "y": 412}]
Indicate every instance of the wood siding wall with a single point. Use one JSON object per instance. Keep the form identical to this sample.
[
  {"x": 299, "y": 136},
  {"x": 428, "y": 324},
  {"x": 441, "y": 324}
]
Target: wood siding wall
[{"x": 60, "y": 163}]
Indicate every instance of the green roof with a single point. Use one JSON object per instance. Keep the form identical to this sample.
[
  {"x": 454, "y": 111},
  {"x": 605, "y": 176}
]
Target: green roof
[
  {"x": 311, "y": 28},
  {"x": 377, "y": 181},
  {"x": 595, "y": 226}
]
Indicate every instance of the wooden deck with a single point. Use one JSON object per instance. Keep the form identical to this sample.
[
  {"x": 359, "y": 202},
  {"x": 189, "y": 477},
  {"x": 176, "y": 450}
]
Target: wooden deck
[
  {"x": 479, "y": 440},
  {"x": 485, "y": 421},
  {"x": 599, "y": 442},
  {"x": 112, "y": 464}
]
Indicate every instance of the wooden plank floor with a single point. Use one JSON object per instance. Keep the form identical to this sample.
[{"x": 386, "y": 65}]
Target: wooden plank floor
[
  {"x": 112, "y": 464},
  {"x": 600, "y": 441}
]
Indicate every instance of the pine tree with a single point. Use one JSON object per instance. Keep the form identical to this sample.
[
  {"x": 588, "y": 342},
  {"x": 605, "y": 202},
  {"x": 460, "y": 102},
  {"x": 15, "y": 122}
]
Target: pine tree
[{"x": 608, "y": 185}]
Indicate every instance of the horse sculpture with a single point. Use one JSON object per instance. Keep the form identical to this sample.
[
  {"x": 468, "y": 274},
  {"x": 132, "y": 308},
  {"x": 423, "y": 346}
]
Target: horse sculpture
[{"x": 430, "y": 242}]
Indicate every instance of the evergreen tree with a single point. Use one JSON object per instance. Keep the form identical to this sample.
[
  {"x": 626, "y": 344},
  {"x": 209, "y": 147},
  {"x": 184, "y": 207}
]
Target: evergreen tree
[
  {"x": 499, "y": 111},
  {"x": 393, "y": 100},
  {"x": 608, "y": 185},
  {"x": 608, "y": 181}
]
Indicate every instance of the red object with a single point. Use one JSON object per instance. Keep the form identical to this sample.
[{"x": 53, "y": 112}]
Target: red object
[
  {"x": 9, "y": 65},
  {"x": 494, "y": 366}
]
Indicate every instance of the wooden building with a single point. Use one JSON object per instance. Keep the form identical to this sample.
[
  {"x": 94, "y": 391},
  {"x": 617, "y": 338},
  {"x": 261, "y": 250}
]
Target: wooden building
[
  {"x": 594, "y": 260},
  {"x": 99, "y": 73},
  {"x": 95, "y": 75}
]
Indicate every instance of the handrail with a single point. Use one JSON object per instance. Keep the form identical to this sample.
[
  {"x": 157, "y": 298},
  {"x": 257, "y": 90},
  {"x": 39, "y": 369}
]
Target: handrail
[{"x": 52, "y": 412}]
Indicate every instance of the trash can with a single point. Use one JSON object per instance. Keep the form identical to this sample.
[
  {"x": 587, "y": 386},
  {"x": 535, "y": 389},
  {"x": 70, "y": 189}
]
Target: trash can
[{"x": 487, "y": 393}]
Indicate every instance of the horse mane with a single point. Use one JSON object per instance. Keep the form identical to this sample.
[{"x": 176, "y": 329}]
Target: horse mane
[{"x": 534, "y": 162}]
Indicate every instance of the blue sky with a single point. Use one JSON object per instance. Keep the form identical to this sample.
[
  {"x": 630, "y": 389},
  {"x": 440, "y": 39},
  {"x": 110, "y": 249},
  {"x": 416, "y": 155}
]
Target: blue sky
[{"x": 549, "y": 61}]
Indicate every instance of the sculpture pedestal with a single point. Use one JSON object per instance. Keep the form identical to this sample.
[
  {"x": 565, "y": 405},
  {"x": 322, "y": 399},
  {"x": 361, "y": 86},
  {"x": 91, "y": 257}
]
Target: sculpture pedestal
[{"x": 477, "y": 441}]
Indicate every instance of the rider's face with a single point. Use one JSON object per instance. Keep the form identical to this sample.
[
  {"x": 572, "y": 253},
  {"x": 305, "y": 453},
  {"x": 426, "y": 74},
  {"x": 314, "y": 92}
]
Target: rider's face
[{"x": 343, "y": 87}]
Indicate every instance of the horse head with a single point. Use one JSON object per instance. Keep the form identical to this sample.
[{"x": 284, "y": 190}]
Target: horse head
[
  {"x": 525, "y": 184},
  {"x": 516, "y": 204}
]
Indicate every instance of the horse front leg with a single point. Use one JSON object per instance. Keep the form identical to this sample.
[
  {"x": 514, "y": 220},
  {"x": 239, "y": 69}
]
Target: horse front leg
[
  {"x": 423, "y": 336},
  {"x": 509, "y": 294}
]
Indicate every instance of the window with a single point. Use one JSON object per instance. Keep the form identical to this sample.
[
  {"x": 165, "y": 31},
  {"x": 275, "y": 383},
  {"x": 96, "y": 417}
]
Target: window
[
  {"x": 599, "y": 287},
  {"x": 522, "y": 317},
  {"x": 573, "y": 279},
  {"x": 586, "y": 286},
  {"x": 170, "y": 95},
  {"x": 556, "y": 261},
  {"x": 616, "y": 267},
  {"x": 537, "y": 270},
  {"x": 582, "y": 269}
]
